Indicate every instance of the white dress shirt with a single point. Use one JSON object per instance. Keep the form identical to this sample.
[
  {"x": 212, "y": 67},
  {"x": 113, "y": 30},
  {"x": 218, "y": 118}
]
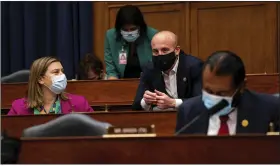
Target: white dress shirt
[
  {"x": 170, "y": 81},
  {"x": 214, "y": 124}
]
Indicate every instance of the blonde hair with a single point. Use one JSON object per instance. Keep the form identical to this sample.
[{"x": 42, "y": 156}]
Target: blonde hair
[{"x": 38, "y": 70}]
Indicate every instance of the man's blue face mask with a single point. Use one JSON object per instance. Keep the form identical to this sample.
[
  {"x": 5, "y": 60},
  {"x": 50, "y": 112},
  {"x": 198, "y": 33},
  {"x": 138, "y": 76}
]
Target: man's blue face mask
[{"x": 210, "y": 100}]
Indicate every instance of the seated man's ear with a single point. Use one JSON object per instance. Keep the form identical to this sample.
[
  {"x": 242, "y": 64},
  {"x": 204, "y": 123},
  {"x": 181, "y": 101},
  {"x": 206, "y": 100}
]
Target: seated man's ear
[
  {"x": 177, "y": 50},
  {"x": 242, "y": 86}
]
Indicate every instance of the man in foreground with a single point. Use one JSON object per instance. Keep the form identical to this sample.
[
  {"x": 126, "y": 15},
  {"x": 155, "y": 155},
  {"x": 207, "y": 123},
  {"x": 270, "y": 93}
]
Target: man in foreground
[{"x": 223, "y": 77}]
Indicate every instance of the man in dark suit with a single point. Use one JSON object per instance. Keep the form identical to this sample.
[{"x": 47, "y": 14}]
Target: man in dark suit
[
  {"x": 223, "y": 77},
  {"x": 171, "y": 78}
]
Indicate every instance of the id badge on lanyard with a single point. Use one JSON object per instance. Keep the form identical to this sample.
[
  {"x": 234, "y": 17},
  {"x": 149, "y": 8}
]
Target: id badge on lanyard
[{"x": 122, "y": 57}]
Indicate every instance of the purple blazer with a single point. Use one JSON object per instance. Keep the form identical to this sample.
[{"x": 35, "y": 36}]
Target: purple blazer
[{"x": 75, "y": 103}]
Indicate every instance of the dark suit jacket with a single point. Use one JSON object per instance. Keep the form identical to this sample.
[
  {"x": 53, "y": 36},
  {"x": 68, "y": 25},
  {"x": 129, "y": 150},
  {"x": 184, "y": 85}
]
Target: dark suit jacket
[
  {"x": 188, "y": 79},
  {"x": 258, "y": 109}
]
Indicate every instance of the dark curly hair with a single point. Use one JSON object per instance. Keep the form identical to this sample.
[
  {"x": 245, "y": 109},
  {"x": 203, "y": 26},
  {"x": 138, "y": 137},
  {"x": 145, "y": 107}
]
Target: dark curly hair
[{"x": 90, "y": 62}]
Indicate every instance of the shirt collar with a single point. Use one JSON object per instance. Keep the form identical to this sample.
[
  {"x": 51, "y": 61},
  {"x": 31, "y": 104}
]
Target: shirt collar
[{"x": 233, "y": 115}]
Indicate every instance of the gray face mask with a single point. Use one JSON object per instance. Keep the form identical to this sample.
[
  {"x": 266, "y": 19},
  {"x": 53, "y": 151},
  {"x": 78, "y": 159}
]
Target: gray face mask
[
  {"x": 59, "y": 84},
  {"x": 130, "y": 36}
]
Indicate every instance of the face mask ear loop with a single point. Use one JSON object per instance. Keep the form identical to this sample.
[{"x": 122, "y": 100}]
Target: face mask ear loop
[
  {"x": 231, "y": 110},
  {"x": 234, "y": 97}
]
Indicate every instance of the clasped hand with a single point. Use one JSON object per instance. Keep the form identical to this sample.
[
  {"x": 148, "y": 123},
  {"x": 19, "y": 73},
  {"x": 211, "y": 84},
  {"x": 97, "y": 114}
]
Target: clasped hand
[{"x": 158, "y": 98}]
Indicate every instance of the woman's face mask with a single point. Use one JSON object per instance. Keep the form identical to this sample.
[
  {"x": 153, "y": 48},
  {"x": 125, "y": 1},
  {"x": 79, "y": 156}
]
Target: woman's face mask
[
  {"x": 130, "y": 36},
  {"x": 59, "y": 84}
]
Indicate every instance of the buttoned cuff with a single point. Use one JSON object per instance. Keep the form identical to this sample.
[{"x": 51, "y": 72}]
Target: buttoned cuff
[
  {"x": 178, "y": 102},
  {"x": 144, "y": 105}
]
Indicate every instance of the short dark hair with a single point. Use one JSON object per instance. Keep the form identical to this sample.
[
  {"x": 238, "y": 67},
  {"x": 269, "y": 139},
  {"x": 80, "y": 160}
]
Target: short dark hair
[
  {"x": 90, "y": 61},
  {"x": 130, "y": 14},
  {"x": 226, "y": 63}
]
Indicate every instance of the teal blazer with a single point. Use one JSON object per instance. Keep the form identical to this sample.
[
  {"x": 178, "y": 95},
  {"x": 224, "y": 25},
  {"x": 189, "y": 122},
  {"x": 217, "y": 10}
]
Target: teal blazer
[{"x": 113, "y": 48}]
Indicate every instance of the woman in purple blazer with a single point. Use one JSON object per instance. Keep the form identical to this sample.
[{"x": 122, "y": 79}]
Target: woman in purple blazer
[{"x": 46, "y": 95}]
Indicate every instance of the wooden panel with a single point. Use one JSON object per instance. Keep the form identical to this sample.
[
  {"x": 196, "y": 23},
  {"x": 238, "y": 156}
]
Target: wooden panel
[
  {"x": 98, "y": 93},
  {"x": 247, "y": 28},
  {"x": 264, "y": 83},
  {"x": 99, "y": 28},
  {"x": 156, "y": 14},
  {"x": 164, "y": 121},
  {"x": 152, "y": 150},
  {"x": 122, "y": 92},
  {"x": 278, "y": 46}
]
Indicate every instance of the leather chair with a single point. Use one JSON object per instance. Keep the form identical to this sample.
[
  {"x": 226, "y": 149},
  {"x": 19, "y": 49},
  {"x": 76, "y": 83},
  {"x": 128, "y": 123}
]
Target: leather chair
[
  {"x": 74, "y": 124},
  {"x": 19, "y": 76}
]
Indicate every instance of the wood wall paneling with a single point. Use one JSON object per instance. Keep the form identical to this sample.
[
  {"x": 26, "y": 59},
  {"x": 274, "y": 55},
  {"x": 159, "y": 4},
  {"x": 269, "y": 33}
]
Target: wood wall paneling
[
  {"x": 246, "y": 28},
  {"x": 278, "y": 32},
  {"x": 99, "y": 28}
]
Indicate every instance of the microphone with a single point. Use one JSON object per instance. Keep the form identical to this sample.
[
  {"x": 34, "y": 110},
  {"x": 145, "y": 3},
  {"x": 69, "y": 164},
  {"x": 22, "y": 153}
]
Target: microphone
[{"x": 216, "y": 108}]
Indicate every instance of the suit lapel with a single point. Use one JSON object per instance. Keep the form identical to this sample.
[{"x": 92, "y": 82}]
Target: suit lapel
[
  {"x": 201, "y": 125},
  {"x": 66, "y": 106},
  {"x": 143, "y": 48},
  {"x": 182, "y": 78},
  {"x": 243, "y": 115}
]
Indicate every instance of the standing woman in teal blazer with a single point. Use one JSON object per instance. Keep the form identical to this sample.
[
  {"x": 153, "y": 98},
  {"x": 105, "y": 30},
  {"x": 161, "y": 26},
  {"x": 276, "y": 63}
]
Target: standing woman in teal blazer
[{"x": 128, "y": 45}]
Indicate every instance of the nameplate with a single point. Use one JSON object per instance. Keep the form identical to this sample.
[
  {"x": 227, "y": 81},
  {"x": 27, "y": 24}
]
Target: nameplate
[
  {"x": 131, "y": 130},
  {"x": 271, "y": 130},
  {"x": 127, "y": 135},
  {"x": 273, "y": 133}
]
